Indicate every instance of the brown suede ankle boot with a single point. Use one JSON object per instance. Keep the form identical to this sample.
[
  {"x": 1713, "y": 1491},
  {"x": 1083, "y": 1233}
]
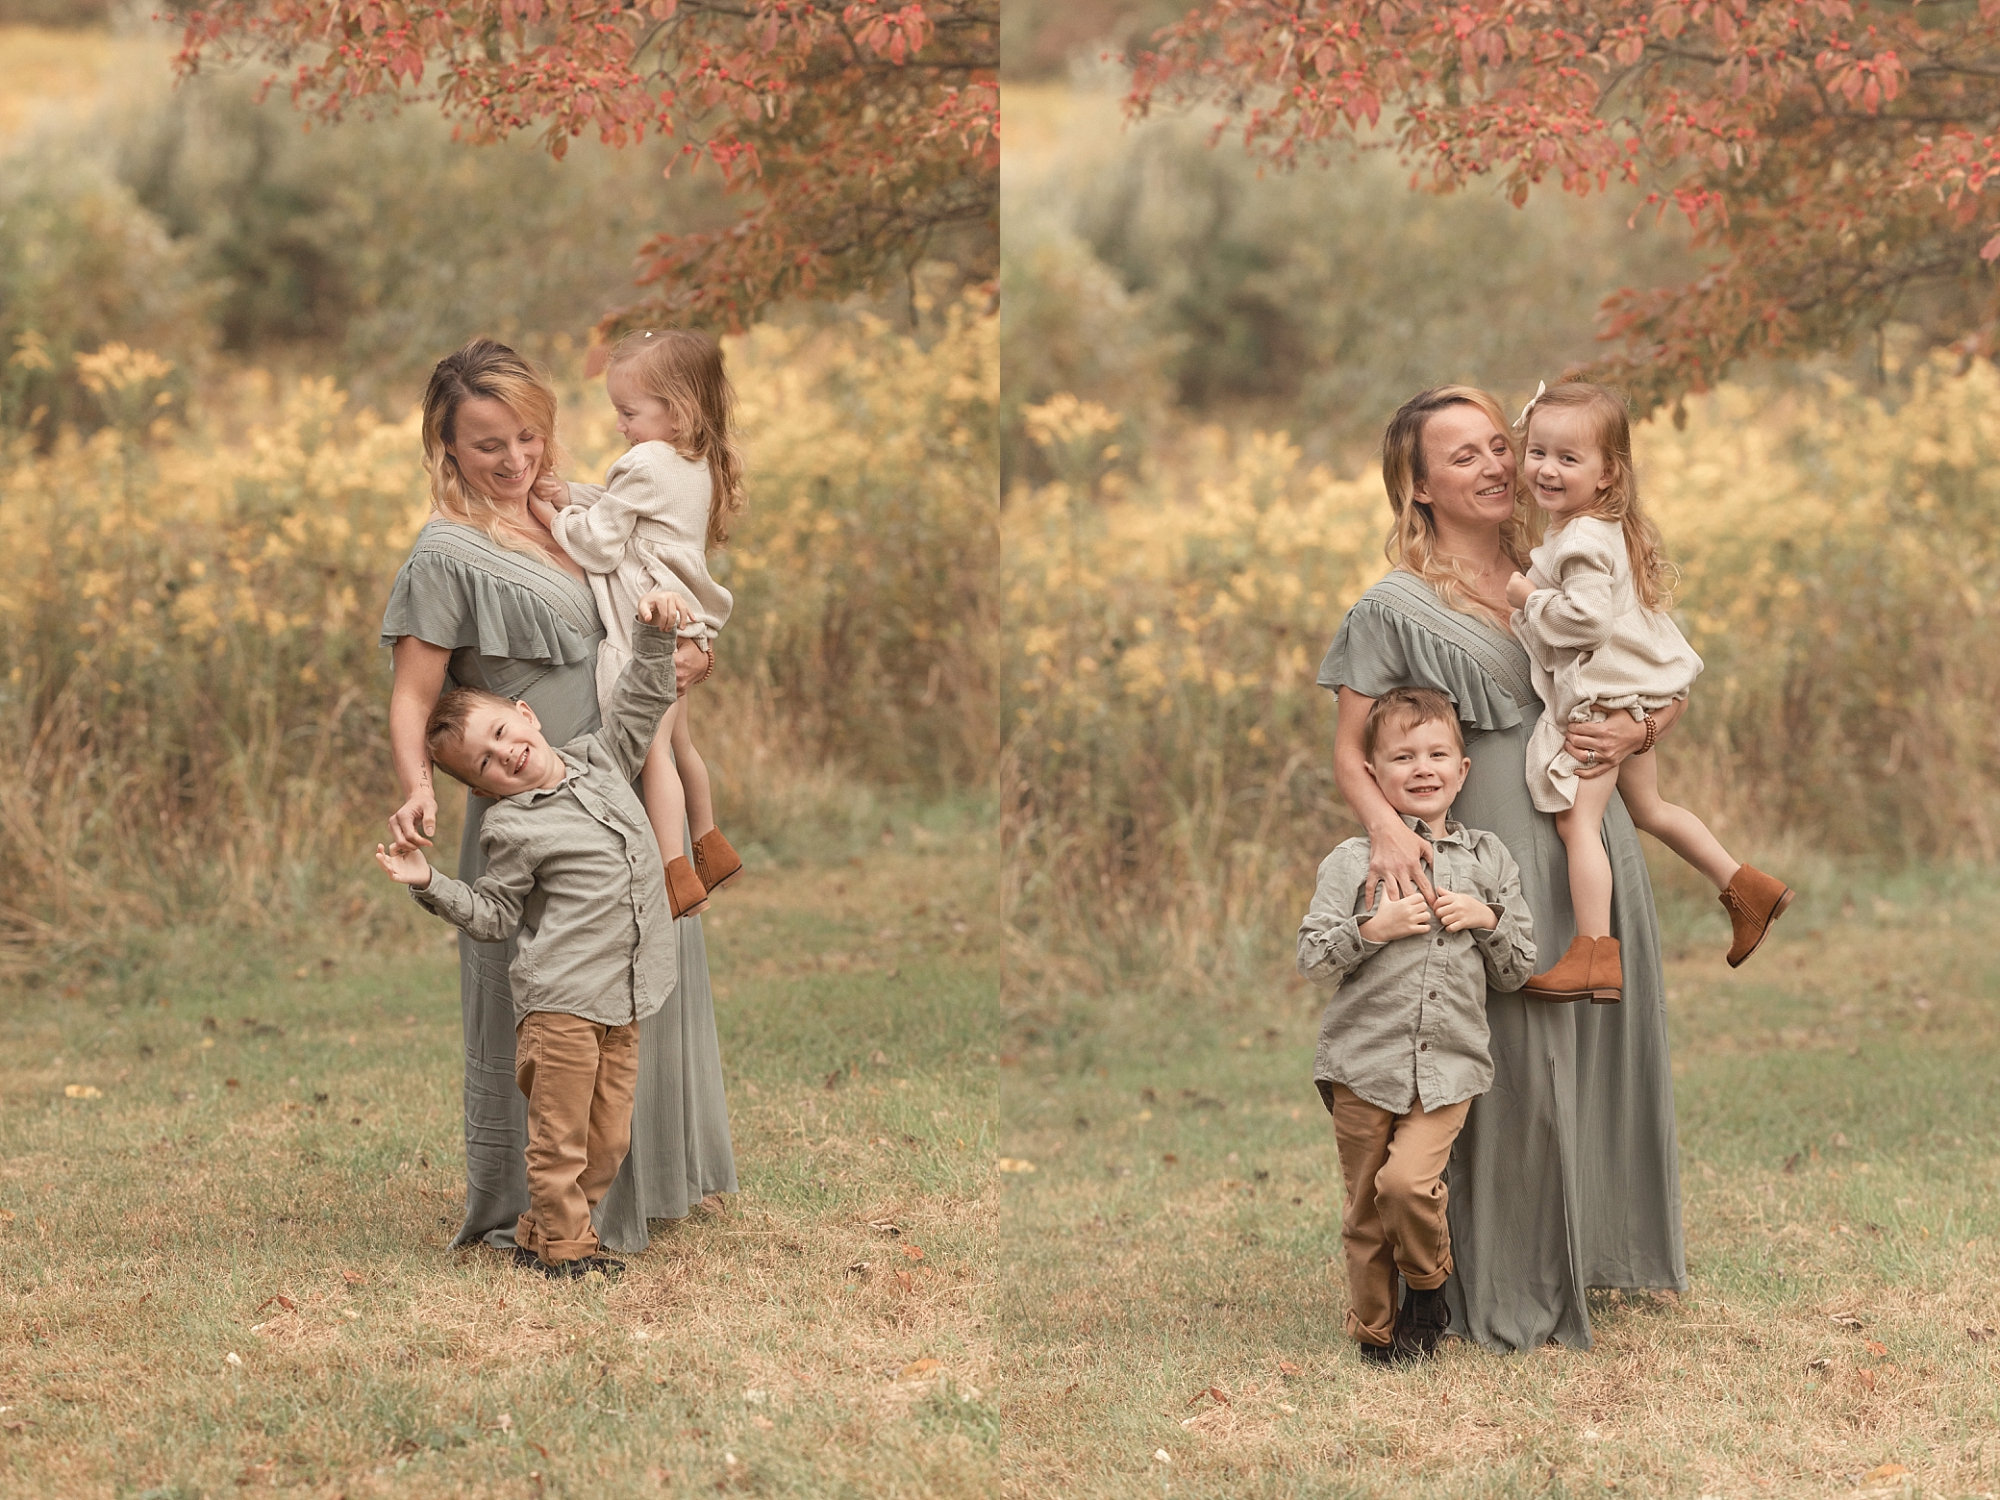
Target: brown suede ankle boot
[
  {"x": 1569, "y": 979},
  {"x": 714, "y": 860},
  {"x": 684, "y": 887},
  {"x": 1607, "y": 973},
  {"x": 1754, "y": 901}
]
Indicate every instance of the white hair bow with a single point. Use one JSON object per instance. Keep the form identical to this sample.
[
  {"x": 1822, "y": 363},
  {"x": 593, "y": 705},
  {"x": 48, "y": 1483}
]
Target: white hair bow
[{"x": 1541, "y": 390}]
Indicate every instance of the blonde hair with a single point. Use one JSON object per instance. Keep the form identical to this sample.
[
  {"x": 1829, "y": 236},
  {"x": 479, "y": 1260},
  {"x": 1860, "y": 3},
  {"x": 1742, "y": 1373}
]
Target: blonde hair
[
  {"x": 1412, "y": 542},
  {"x": 1653, "y": 577},
  {"x": 485, "y": 369},
  {"x": 683, "y": 370}
]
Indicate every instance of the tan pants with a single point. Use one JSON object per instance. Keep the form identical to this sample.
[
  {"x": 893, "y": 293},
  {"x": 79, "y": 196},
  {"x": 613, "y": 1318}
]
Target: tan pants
[
  {"x": 1393, "y": 1166},
  {"x": 578, "y": 1077}
]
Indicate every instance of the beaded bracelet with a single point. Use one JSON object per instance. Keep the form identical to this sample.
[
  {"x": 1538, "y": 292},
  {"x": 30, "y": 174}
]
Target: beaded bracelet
[{"x": 1652, "y": 733}]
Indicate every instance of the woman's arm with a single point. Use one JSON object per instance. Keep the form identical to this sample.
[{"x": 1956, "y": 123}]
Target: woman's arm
[
  {"x": 420, "y": 674},
  {"x": 1396, "y": 853},
  {"x": 1617, "y": 737}
]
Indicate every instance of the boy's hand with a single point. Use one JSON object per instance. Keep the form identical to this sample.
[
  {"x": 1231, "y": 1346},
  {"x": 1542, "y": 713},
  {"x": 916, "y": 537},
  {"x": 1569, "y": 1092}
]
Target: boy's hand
[
  {"x": 1518, "y": 589},
  {"x": 1460, "y": 912},
  {"x": 404, "y": 866},
  {"x": 1398, "y": 919},
  {"x": 665, "y": 610}
]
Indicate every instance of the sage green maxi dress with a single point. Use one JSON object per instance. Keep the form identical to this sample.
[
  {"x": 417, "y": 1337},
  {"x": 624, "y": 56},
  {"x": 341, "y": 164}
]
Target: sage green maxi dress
[
  {"x": 1567, "y": 1173},
  {"x": 525, "y": 629}
]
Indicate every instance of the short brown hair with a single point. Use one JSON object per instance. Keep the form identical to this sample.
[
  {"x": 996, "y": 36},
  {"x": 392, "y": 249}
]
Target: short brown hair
[
  {"x": 1406, "y": 708},
  {"x": 445, "y": 730}
]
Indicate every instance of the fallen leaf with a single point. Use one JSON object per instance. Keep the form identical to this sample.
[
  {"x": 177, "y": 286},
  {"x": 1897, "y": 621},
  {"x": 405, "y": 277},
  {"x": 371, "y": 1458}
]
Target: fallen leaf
[
  {"x": 885, "y": 1226},
  {"x": 278, "y": 1297},
  {"x": 1288, "y": 1409},
  {"x": 903, "y": 1280},
  {"x": 81, "y": 1091},
  {"x": 1845, "y": 1320},
  {"x": 1791, "y": 1163},
  {"x": 1875, "y": 1348},
  {"x": 1286, "y": 1367},
  {"x": 912, "y": 1251},
  {"x": 1014, "y": 1164},
  {"x": 917, "y": 1369},
  {"x": 539, "y": 1449},
  {"x": 1867, "y": 1378},
  {"x": 859, "y": 1268},
  {"x": 1883, "y": 1471},
  {"x": 1161, "y": 1456},
  {"x": 1820, "y": 1364},
  {"x": 352, "y": 1278},
  {"x": 233, "y": 1358},
  {"x": 1977, "y": 1335}
]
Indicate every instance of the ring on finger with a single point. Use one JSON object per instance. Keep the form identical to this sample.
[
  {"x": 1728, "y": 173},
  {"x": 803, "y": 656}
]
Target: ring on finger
[{"x": 1590, "y": 759}]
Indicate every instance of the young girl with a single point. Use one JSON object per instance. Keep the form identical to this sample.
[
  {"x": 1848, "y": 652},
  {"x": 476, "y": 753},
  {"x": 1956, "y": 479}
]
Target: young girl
[
  {"x": 649, "y": 526},
  {"x": 1591, "y": 612}
]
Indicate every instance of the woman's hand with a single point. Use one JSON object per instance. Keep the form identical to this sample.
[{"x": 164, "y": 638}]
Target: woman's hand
[
  {"x": 412, "y": 824},
  {"x": 1397, "y": 856},
  {"x": 1600, "y": 746},
  {"x": 693, "y": 661},
  {"x": 1519, "y": 587}
]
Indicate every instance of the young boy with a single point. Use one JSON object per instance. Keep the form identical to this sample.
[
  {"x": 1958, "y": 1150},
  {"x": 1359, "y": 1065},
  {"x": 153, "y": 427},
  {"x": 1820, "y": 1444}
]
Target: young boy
[
  {"x": 1402, "y": 1044},
  {"x": 573, "y": 866}
]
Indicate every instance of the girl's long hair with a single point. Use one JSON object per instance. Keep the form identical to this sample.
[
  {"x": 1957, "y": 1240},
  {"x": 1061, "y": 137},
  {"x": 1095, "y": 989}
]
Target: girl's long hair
[
  {"x": 1412, "y": 542},
  {"x": 683, "y": 369},
  {"x": 484, "y": 368},
  {"x": 1653, "y": 577}
]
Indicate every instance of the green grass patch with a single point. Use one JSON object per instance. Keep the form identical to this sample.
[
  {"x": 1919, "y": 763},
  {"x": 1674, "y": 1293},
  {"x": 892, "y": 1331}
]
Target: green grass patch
[
  {"x": 263, "y": 1158},
  {"x": 1173, "y": 1298}
]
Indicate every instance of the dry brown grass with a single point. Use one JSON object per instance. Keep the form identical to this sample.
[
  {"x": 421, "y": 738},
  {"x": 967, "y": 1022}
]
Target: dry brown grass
[
  {"x": 1173, "y": 1283},
  {"x": 279, "y": 1185}
]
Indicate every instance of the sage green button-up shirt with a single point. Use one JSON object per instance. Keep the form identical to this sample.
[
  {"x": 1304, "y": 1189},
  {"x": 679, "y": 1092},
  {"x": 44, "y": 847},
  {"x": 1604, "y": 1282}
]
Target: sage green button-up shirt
[
  {"x": 576, "y": 871},
  {"x": 1407, "y": 1019}
]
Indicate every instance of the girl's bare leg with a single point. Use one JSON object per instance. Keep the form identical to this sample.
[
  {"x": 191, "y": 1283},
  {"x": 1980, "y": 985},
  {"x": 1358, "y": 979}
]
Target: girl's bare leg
[
  {"x": 660, "y": 788},
  {"x": 1676, "y": 827},
  {"x": 1589, "y": 865},
  {"x": 694, "y": 772}
]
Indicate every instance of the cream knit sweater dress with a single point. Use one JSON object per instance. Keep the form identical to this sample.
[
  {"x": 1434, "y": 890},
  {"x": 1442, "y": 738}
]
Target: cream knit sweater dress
[
  {"x": 644, "y": 528},
  {"x": 1591, "y": 646}
]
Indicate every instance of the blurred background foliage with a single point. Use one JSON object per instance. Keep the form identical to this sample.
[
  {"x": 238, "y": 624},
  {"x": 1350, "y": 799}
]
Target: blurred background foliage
[
  {"x": 1197, "y": 364},
  {"x": 213, "y": 329}
]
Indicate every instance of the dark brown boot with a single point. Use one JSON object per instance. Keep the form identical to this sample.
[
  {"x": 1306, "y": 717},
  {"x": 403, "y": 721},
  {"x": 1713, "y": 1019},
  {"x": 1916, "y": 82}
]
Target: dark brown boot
[
  {"x": 1569, "y": 979},
  {"x": 684, "y": 887},
  {"x": 1754, "y": 901},
  {"x": 714, "y": 861},
  {"x": 1607, "y": 973}
]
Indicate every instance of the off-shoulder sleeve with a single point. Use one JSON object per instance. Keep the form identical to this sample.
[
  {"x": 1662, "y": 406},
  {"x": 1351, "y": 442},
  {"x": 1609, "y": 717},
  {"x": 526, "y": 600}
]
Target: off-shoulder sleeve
[
  {"x": 1378, "y": 649},
  {"x": 451, "y": 603}
]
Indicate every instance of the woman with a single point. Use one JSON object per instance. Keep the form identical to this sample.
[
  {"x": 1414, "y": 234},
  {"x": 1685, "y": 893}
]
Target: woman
[
  {"x": 488, "y": 599},
  {"x": 1566, "y": 1174}
]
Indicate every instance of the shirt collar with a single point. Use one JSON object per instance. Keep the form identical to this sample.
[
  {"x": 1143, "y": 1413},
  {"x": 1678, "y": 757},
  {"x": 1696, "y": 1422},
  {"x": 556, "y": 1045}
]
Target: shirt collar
[
  {"x": 1454, "y": 832},
  {"x": 572, "y": 768}
]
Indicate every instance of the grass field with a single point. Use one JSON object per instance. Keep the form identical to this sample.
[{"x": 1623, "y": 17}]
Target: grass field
[
  {"x": 1172, "y": 1298},
  {"x": 224, "y": 1263}
]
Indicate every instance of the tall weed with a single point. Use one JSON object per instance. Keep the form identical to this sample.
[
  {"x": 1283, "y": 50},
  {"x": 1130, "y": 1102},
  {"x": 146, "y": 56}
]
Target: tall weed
[
  {"x": 194, "y": 692},
  {"x": 1167, "y": 779}
]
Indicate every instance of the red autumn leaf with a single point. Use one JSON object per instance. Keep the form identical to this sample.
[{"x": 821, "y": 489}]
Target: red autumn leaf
[
  {"x": 1818, "y": 206},
  {"x": 862, "y": 137}
]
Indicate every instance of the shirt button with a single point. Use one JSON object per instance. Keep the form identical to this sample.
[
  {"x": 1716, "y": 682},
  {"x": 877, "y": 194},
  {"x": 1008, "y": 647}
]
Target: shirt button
[
  {"x": 1440, "y": 941},
  {"x": 1434, "y": 994},
  {"x": 1424, "y": 1047}
]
